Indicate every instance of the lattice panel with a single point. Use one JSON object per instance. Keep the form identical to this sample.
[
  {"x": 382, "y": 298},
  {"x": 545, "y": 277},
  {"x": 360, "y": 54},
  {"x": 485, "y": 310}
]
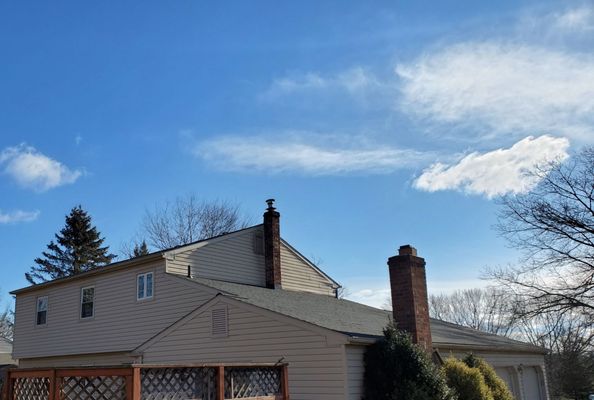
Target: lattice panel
[
  {"x": 31, "y": 388},
  {"x": 178, "y": 384},
  {"x": 94, "y": 388},
  {"x": 252, "y": 382}
]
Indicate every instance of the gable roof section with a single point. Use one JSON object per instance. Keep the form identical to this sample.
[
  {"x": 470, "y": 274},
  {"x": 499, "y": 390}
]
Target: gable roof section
[
  {"x": 309, "y": 263},
  {"x": 357, "y": 320}
]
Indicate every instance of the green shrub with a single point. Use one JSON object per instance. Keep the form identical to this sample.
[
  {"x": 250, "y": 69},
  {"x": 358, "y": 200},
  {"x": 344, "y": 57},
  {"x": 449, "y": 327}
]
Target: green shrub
[
  {"x": 396, "y": 369},
  {"x": 467, "y": 382},
  {"x": 498, "y": 387}
]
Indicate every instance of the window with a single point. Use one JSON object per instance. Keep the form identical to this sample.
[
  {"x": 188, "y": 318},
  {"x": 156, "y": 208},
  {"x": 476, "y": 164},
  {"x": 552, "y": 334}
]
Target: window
[
  {"x": 41, "y": 318},
  {"x": 144, "y": 286},
  {"x": 87, "y": 302}
]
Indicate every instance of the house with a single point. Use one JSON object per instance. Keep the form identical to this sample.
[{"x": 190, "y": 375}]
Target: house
[
  {"x": 244, "y": 297},
  {"x": 6, "y": 352}
]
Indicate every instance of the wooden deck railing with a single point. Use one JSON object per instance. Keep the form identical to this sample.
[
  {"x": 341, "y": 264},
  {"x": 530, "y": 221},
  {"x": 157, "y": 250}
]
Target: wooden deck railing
[{"x": 150, "y": 382}]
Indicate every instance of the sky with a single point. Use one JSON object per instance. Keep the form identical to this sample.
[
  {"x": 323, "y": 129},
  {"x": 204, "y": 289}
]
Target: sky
[{"x": 372, "y": 124}]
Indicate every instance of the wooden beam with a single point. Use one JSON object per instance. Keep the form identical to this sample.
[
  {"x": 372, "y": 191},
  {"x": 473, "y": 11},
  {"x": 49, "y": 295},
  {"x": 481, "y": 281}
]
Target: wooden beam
[
  {"x": 95, "y": 372},
  {"x": 221, "y": 383},
  {"x": 136, "y": 384},
  {"x": 285, "y": 382}
]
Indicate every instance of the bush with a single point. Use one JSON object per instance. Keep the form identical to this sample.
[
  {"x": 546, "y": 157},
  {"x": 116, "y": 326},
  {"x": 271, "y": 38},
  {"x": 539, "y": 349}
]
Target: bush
[
  {"x": 396, "y": 369},
  {"x": 498, "y": 387},
  {"x": 467, "y": 382}
]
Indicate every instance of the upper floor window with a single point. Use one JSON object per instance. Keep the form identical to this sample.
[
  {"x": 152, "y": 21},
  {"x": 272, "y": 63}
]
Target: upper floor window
[
  {"x": 41, "y": 318},
  {"x": 144, "y": 286},
  {"x": 87, "y": 302}
]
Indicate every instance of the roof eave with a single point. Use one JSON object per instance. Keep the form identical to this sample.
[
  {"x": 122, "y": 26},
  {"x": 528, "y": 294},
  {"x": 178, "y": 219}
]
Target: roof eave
[{"x": 97, "y": 271}]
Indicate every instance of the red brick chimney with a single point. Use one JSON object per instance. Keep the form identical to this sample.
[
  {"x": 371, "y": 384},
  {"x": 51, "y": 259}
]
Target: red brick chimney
[
  {"x": 272, "y": 244},
  {"x": 409, "y": 295}
]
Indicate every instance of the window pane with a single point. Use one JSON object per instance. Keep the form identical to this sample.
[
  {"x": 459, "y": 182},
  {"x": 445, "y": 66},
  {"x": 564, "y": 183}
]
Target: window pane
[
  {"x": 86, "y": 310},
  {"x": 88, "y": 295},
  {"x": 41, "y": 317},
  {"x": 42, "y": 304},
  {"x": 149, "y": 285},
  {"x": 140, "y": 286}
]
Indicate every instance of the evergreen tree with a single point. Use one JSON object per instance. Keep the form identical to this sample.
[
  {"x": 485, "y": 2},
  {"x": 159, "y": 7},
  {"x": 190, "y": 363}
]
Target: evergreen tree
[
  {"x": 140, "y": 249},
  {"x": 396, "y": 369},
  {"x": 78, "y": 248}
]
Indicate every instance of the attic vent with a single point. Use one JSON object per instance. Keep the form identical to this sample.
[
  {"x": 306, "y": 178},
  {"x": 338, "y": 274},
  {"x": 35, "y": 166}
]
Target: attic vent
[
  {"x": 259, "y": 243},
  {"x": 220, "y": 322}
]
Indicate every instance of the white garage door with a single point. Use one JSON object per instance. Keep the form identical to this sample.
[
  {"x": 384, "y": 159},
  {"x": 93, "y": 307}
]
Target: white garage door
[
  {"x": 505, "y": 374},
  {"x": 531, "y": 384}
]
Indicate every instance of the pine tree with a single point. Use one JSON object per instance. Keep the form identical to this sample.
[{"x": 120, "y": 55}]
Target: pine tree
[
  {"x": 78, "y": 248},
  {"x": 140, "y": 249}
]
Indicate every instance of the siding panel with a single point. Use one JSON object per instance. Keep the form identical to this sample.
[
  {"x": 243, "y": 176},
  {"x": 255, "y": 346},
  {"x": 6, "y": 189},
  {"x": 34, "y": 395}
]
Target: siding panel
[
  {"x": 298, "y": 275},
  {"x": 121, "y": 323},
  {"x": 229, "y": 259},
  {"x": 355, "y": 370},
  {"x": 315, "y": 369}
]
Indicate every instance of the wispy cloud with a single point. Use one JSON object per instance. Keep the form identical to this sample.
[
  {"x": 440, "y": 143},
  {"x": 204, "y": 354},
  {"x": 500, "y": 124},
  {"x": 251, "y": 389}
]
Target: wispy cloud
[
  {"x": 354, "y": 81},
  {"x": 305, "y": 154},
  {"x": 580, "y": 19},
  {"x": 16, "y": 216},
  {"x": 34, "y": 170},
  {"x": 494, "y": 88},
  {"x": 496, "y": 172}
]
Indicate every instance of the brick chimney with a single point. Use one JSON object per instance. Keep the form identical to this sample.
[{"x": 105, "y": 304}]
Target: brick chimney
[
  {"x": 409, "y": 295},
  {"x": 272, "y": 244}
]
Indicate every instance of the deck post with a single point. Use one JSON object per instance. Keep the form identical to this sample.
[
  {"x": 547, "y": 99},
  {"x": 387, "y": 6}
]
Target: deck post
[
  {"x": 4, "y": 393},
  {"x": 9, "y": 386},
  {"x": 53, "y": 387},
  {"x": 285, "y": 382},
  {"x": 136, "y": 383},
  {"x": 221, "y": 383}
]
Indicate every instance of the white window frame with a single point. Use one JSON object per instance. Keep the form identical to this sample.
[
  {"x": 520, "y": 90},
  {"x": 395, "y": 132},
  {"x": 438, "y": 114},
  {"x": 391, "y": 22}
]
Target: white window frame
[
  {"x": 37, "y": 310},
  {"x": 144, "y": 275},
  {"x": 80, "y": 314}
]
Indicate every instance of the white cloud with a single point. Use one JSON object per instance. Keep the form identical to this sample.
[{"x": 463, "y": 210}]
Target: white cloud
[
  {"x": 502, "y": 88},
  {"x": 355, "y": 81},
  {"x": 496, "y": 172},
  {"x": 575, "y": 19},
  {"x": 18, "y": 216},
  {"x": 305, "y": 154},
  {"x": 34, "y": 170}
]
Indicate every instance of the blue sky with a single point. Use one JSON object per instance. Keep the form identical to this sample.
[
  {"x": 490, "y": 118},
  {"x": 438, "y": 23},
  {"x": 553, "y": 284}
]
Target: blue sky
[{"x": 372, "y": 124}]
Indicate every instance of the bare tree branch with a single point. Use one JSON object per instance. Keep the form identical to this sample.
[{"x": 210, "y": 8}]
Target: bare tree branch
[
  {"x": 553, "y": 225},
  {"x": 188, "y": 219}
]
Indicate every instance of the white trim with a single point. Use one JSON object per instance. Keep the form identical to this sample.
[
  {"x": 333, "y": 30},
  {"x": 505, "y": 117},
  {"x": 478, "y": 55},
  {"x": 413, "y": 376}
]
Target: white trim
[{"x": 82, "y": 289}]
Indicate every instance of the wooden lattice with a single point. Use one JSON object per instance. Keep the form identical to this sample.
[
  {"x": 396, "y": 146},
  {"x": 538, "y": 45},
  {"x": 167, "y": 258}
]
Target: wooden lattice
[
  {"x": 252, "y": 382},
  {"x": 31, "y": 388},
  {"x": 93, "y": 388},
  {"x": 178, "y": 384}
]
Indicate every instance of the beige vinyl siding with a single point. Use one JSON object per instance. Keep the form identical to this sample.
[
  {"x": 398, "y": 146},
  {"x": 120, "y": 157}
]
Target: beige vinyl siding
[
  {"x": 315, "y": 368},
  {"x": 120, "y": 322},
  {"x": 298, "y": 275},
  {"x": 355, "y": 369},
  {"x": 229, "y": 259},
  {"x": 87, "y": 360}
]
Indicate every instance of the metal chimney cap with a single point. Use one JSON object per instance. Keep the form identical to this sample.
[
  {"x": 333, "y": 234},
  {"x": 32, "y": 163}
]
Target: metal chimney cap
[{"x": 270, "y": 203}]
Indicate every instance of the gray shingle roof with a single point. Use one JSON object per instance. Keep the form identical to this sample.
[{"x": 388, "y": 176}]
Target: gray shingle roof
[{"x": 355, "y": 319}]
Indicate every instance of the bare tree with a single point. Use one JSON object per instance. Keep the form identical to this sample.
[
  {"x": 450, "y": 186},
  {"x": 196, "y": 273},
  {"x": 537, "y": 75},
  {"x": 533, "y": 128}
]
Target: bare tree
[
  {"x": 188, "y": 219},
  {"x": 6, "y": 323},
  {"x": 570, "y": 338},
  {"x": 553, "y": 224},
  {"x": 488, "y": 310}
]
